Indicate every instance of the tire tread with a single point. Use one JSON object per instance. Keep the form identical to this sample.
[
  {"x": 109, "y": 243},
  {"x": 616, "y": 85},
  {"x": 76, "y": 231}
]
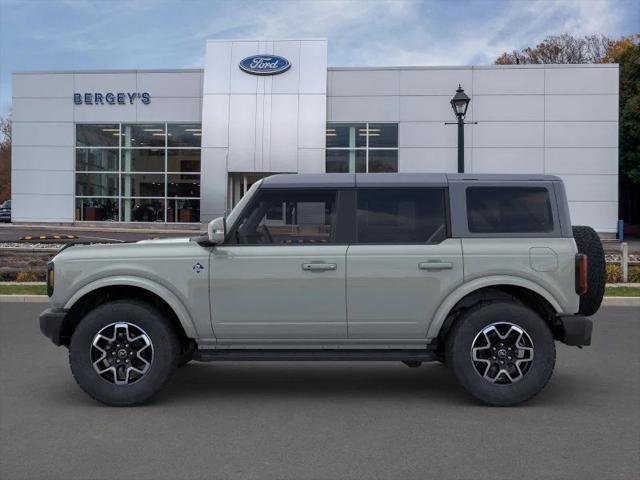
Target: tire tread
[
  {"x": 588, "y": 243},
  {"x": 174, "y": 345},
  {"x": 450, "y": 351}
]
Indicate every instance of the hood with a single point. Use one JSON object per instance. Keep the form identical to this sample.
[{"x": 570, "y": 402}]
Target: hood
[
  {"x": 166, "y": 240},
  {"x": 164, "y": 247}
]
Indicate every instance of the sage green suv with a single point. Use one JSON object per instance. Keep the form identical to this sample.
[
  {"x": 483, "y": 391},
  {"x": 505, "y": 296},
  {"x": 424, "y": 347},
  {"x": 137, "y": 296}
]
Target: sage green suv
[{"x": 481, "y": 272}]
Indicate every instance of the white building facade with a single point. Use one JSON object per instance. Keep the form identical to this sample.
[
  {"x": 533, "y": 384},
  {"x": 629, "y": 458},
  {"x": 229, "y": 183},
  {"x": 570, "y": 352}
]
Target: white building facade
[{"x": 182, "y": 146}]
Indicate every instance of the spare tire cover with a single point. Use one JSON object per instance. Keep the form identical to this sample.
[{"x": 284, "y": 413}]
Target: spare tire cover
[{"x": 588, "y": 242}]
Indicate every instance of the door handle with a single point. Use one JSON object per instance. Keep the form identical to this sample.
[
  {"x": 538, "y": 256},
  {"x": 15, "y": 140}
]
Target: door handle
[
  {"x": 319, "y": 267},
  {"x": 435, "y": 265}
]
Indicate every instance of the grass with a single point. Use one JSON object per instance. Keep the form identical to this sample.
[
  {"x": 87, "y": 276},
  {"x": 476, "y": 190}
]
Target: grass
[
  {"x": 23, "y": 289},
  {"x": 622, "y": 292},
  {"x": 42, "y": 290}
]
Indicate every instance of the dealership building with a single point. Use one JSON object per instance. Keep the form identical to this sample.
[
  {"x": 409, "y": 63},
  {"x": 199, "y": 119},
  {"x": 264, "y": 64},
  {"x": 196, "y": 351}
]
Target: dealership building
[{"x": 182, "y": 146}]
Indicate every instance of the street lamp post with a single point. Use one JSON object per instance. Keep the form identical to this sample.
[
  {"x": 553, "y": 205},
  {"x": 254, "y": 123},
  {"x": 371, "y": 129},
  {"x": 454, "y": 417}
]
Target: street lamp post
[{"x": 460, "y": 103}]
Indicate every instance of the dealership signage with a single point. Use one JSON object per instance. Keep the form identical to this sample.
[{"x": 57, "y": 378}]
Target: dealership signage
[
  {"x": 265, "y": 64},
  {"x": 110, "y": 98}
]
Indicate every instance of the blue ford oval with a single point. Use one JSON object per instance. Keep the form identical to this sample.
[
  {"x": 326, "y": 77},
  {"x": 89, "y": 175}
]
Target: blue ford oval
[{"x": 265, "y": 64}]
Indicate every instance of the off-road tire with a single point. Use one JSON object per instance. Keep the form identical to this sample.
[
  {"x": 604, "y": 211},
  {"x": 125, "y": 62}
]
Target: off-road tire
[
  {"x": 458, "y": 352},
  {"x": 588, "y": 242},
  {"x": 166, "y": 352}
]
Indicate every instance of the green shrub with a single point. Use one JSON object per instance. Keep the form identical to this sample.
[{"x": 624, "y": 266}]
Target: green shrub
[
  {"x": 27, "y": 275},
  {"x": 614, "y": 273}
]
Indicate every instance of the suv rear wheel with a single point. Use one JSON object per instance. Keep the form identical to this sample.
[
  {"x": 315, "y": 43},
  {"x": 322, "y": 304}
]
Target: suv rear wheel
[
  {"x": 502, "y": 353},
  {"x": 123, "y": 352}
]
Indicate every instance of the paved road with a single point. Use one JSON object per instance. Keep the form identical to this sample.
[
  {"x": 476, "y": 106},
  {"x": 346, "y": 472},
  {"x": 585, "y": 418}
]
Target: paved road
[
  {"x": 12, "y": 234},
  {"x": 322, "y": 420}
]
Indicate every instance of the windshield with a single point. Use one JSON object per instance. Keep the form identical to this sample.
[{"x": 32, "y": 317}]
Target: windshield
[
  {"x": 6, "y": 204},
  {"x": 233, "y": 215}
]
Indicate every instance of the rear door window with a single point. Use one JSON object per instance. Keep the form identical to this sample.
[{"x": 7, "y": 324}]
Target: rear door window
[
  {"x": 401, "y": 215},
  {"x": 509, "y": 210}
]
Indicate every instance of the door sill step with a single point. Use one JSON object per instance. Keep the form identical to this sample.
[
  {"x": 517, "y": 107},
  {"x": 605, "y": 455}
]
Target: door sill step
[{"x": 324, "y": 355}]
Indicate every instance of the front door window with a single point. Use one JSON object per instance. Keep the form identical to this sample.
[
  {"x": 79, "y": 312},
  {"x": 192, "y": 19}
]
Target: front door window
[{"x": 288, "y": 217}]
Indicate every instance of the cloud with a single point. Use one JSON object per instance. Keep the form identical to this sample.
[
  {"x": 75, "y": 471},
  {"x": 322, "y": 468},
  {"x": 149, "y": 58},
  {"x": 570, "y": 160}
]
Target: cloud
[
  {"x": 85, "y": 34},
  {"x": 406, "y": 32},
  {"x": 591, "y": 17}
]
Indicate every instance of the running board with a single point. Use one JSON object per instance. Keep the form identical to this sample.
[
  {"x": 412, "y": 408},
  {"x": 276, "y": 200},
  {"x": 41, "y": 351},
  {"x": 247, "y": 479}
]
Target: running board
[{"x": 213, "y": 355}]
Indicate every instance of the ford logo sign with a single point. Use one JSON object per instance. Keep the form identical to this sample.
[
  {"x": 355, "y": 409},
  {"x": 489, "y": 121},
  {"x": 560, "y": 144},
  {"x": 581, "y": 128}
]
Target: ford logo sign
[{"x": 265, "y": 64}]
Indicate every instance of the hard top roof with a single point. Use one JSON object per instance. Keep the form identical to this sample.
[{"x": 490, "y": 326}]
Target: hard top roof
[{"x": 345, "y": 180}]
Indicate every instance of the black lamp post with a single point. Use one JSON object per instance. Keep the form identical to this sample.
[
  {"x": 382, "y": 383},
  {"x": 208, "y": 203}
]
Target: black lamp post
[{"x": 460, "y": 103}]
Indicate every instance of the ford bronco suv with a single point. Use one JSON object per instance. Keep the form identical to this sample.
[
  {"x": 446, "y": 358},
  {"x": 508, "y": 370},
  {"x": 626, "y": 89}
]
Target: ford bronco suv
[{"x": 480, "y": 272}]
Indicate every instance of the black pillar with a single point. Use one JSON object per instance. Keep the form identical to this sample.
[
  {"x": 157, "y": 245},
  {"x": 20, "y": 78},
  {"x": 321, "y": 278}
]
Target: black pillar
[{"x": 460, "y": 144}]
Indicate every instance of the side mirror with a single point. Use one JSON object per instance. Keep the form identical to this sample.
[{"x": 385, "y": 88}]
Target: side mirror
[{"x": 216, "y": 230}]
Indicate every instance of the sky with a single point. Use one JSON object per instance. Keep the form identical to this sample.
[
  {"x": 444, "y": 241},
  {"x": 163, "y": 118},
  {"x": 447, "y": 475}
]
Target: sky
[{"x": 107, "y": 34}]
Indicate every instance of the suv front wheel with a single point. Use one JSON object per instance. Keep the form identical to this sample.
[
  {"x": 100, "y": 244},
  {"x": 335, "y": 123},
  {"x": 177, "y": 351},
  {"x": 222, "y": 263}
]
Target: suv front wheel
[
  {"x": 503, "y": 353},
  {"x": 123, "y": 352}
]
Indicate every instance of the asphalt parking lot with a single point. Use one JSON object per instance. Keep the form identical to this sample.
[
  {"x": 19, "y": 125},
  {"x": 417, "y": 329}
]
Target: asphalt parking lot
[
  {"x": 321, "y": 420},
  {"x": 13, "y": 233}
]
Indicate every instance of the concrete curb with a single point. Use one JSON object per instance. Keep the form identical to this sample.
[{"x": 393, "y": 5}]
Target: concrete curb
[
  {"x": 24, "y": 299},
  {"x": 621, "y": 301},
  {"x": 606, "y": 302}
]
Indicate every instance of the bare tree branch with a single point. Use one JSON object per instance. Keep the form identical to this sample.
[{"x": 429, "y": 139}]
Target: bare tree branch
[{"x": 563, "y": 48}]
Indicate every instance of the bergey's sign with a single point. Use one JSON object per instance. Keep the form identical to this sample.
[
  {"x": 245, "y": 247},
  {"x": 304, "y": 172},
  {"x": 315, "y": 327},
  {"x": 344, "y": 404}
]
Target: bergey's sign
[
  {"x": 265, "y": 64},
  {"x": 109, "y": 98}
]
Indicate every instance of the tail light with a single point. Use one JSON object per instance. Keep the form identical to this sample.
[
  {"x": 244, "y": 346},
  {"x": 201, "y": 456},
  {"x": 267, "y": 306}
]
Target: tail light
[
  {"x": 581, "y": 274},
  {"x": 51, "y": 278}
]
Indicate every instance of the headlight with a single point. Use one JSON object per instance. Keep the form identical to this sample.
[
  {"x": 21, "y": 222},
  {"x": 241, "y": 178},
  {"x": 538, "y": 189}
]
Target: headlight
[{"x": 51, "y": 278}]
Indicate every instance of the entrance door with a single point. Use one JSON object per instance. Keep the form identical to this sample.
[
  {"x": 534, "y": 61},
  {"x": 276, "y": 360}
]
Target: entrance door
[
  {"x": 402, "y": 264},
  {"x": 281, "y": 275}
]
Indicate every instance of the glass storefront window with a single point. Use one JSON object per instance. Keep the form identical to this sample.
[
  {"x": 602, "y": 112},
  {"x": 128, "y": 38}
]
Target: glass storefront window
[
  {"x": 180, "y": 185},
  {"x": 345, "y": 161},
  {"x": 143, "y": 209},
  {"x": 104, "y": 135},
  {"x": 143, "y": 185},
  {"x": 186, "y": 161},
  {"x": 183, "y": 211},
  {"x": 361, "y": 147},
  {"x": 96, "y": 185},
  {"x": 345, "y": 135},
  {"x": 96, "y": 159},
  {"x": 184, "y": 135},
  {"x": 138, "y": 172},
  {"x": 382, "y": 161},
  {"x": 143, "y": 135},
  {"x": 96, "y": 209},
  {"x": 142, "y": 160},
  {"x": 383, "y": 135}
]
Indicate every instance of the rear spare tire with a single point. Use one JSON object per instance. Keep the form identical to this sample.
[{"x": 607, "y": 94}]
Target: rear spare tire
[{"x": 588, "y": 243}]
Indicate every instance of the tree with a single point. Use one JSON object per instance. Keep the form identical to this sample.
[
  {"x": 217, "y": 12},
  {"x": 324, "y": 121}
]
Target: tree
[
  {"x": 5, "y": 159},
  {"x": 600, "y": 49},
  {"x": 560, "y": 49},
  {"x": 626, "y": 53}
]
